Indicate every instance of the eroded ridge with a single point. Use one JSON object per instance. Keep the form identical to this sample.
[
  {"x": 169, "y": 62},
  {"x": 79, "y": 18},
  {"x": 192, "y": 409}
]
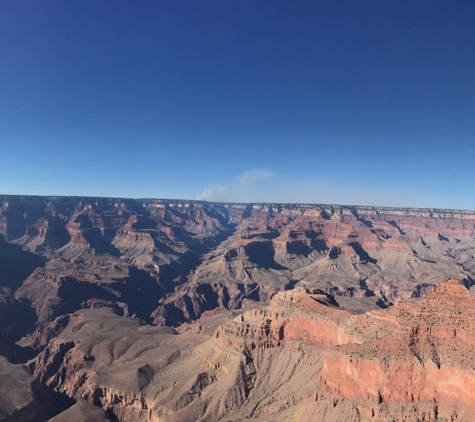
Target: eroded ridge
[{"x": 413, "y": 361}]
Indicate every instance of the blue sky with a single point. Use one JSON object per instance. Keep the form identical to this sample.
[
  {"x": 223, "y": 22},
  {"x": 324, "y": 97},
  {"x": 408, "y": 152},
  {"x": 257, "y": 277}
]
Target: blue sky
[{"x": 350, "y": 102}]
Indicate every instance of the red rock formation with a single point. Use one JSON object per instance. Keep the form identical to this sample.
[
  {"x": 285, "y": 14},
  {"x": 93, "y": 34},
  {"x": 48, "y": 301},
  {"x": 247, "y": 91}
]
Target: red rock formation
[
  {"x": 300, "y": 359},
  {"x": 239, "y": 251},
  {"x": 292, "y": 315},
  {"x": 171, "y": 262},
  {"x": 424, "y": 359},
  {"x": 413, "y": 361}
]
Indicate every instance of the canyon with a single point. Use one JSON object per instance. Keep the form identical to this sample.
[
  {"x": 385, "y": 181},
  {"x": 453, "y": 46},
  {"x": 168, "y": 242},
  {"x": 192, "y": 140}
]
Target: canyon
[{"x": 174, "y": 310}]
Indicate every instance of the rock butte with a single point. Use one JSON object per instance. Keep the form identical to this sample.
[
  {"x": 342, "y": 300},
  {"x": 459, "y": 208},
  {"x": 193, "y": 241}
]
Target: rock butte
[{"x": 277, "y": 311}]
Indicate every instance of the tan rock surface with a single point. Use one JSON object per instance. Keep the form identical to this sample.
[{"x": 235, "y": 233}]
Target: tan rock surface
[
  {"x": 301, "y": 358},
  {"x": 80, "y": 279},
  {"x": 22, "y": 399},
  {"x": 82, "y": 411},
  {"x": 167, "y": 262},
  {"x": 425, "y": 359},
  {"x": 16, "y": 395}
]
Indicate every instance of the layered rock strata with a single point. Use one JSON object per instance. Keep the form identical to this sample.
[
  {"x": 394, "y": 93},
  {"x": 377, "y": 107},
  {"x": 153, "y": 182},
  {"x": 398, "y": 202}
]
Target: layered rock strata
[
  {"x": 75, "y": 273},
  {"x": 300, "y": 359},
  {"x": 182, "y": 258},
  {"x": 413, "y": 361},
  {"x": 422, "y": 368}
]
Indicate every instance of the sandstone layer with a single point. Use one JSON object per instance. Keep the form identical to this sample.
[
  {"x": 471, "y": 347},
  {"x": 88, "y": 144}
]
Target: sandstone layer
[
  {"x": 167, "y": 262},
  {"x": 302, "y": 358},
  {"x": 268, "y": 302}
]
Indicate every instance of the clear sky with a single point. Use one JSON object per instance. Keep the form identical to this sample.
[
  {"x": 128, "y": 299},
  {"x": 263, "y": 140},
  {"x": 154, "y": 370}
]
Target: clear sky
[{"x": 349, "y": 102}]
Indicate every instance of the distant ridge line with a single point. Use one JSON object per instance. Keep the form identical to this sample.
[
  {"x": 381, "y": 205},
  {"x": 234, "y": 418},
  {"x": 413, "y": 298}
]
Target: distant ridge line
[{"x": 284, "y": 205}]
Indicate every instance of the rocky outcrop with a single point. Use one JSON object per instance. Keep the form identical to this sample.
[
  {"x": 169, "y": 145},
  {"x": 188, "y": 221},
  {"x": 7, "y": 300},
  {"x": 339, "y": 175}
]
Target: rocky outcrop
[
  {"x": 424, "y": 360},
  {"x": 22, "y": 398},
  {"x": 301, "y": 358},
  {"x": 390, "y": 254},
  {"x": 412, "y": 361},
  {"x": 192, "y": 256},
  {"x": 82, "y": 411},
  {"x": 103, "y": 252},
  {"x": 292, "y": 315},
  {"x": 136, "y": 372},
  {"x": 319, "y": 268}
]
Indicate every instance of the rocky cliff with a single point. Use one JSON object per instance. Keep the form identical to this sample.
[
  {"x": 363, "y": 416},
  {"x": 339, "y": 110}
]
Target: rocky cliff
[
  {"x": 423, "y": 360},
  {"x": 302, "y": 358},
  {"x": 315, "y": 279},
  {"x": 413, "y": 361},
  {"x": 169, "y": 261}
]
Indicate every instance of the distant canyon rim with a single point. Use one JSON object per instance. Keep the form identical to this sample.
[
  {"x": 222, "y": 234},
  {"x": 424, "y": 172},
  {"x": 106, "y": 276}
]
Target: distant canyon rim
[{"x": 174, "y": 310}]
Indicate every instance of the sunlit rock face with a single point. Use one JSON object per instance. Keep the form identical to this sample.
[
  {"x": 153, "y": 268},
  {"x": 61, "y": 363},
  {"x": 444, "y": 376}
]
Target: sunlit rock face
[
  {"x": 256, "y": 292},
  {"x": 167, "y": 262},
  {"x": 423, "y": 358},
  {"x": 301, "y": 358}
]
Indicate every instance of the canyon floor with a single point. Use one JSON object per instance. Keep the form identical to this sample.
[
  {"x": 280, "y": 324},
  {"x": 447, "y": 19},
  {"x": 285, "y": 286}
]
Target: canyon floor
[{"x": 167, "y": 310}]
